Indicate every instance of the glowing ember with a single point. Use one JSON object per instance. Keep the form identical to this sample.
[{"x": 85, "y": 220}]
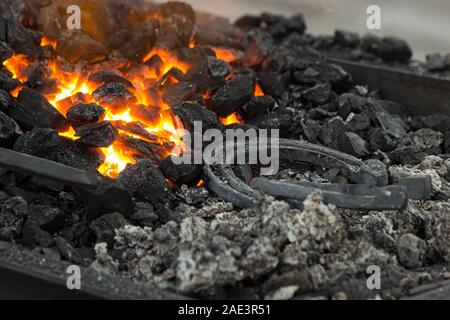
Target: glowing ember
[
  {"x": 170, "y": 61},
  {"x": 201, "y": 183},
  {"x": 258, "y": 91},
  {"x": 16, "y": 65},
  {"x": 74, "y": 82},
  {"x": 74, "y": 86},
  {"x": 228, "y": 55},
  {"x": 48, "y": 42},
  {"x": 231, "y": 119},
  {"x": 116, "y": 161}
]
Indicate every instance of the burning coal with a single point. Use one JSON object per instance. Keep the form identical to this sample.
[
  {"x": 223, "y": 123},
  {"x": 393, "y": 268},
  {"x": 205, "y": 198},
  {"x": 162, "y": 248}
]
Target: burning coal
[{"x": 118, "y": 83}]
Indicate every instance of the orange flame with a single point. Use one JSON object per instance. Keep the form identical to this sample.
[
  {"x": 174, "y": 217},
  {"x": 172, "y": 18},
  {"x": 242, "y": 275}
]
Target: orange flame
[
  {"x": 48, "y": 42},
  {"x": 227, "y": 55},
  {"x": 17, "y": 65},
  {"x": 258, "y": 91},
  {"x": 231, "y": 119},
  {"x": 74, "y": 82}
]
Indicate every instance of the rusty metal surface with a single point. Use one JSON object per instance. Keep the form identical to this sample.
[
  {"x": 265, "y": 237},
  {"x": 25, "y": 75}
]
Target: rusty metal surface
[{"x": 420, "y": 94}]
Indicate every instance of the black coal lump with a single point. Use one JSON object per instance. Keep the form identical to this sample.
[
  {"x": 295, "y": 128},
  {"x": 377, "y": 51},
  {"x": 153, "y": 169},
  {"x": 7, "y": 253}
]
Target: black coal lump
[
  {"x": 358, "y": 122},
  {"x": 7, "y": 82},
  {"x": 114, "y": 94},
  {"x": 217, "y": 67},
  {"x": 175, "y": 32},
  {"x": 144, "y": 215},
  {"x": 279, "y": 119},
  {"x": 319, "y": 94},
  {"x": 258, "y": 106},
  {"x": 411, "y": 155},
  {"x": 32, "y": 110},
  {"x": 38, "y": 142},
  {"x": 182, "y": 173},
  {"x": 273, "y": 83},
  {"x": 5, "y": 100},
  {"x": 81, "y": 114},
  {"x": 380, "y": 140},
  {"x": 179, "y": 93},
  {"x": 9, "y": 130},
  {"x": 170, "y": 8},
  {"x": 437, "y": 62},
  {"x": 72, "y": 154},
  {"x": 42, "y": 222},
  {"x": 234, "y": 94},
  {"x": 346, "y": 38},
  {"x": 447, "y": 142},
  {"x": 144, "y": 181},
  {"x": 311, "y": 130},
  {"x": 104, "y": 76},
  {"x": 105, "y": 227},
  {"x": 280, "y": 26},
  {"x": 5, "y": 51},
  {"x": 258, "y": 44},
  {"x": 20, "y": 39},
  {"x": 349, "y": 102},
  {"x": 141, "y": 40},
  {"x": 392, "y": 124},
  {"x": 336, "y": 75},
  {"x": 331, "y": 130},
  {"x": 13, "y": 212},
  {"x": 353, "y": 144},
  {"x": 394, "y": 49},
  {"x": 190, "y": 112},
  {"x": 371, "y": 43},
  {"x": 106, "y": 198},
  {"x": 96, "y": 135}
]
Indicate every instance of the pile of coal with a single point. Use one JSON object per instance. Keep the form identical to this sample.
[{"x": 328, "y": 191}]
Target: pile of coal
[{"x": 153, "y": 223}]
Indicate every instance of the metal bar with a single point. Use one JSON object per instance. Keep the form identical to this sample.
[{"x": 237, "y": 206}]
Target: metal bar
[
  {"x": 420, "y": 94},
  {"x": 27, "y": 164},
  {"x": 364, "y": 197},
  {"x": 27, "y": 275}
]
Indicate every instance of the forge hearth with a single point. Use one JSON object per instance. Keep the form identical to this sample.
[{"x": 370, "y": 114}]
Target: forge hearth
[{"x": 90, "y": 120}]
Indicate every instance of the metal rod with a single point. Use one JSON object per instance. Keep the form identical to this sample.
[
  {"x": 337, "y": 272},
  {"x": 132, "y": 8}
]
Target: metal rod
[
  {"x": 419, "y": 94},
  {"x": 27, "y": 164}
]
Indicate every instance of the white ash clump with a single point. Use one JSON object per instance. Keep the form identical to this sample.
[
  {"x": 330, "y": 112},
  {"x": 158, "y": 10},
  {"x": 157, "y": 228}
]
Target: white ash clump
[
  {"x": 293, "y": 175},
  {"x": 447, "y": 163},
  {"x": 275, "y": 251},
  {"x": 199, "y": 202},
  {"x": 440, "y": 230},
  {"x": 103, "y": 261},
  {"x": 411, "y": 251},
  {"x": 192, "y": 196},
  {"x": 433, "y": 166},
  {"x": 378, "y": 227},
  {"x": 323, "y": 224},
  {"x": 423, "y": 139},
  {"x": 201, "y": 254},
  {"x": 354, "y": 258}
]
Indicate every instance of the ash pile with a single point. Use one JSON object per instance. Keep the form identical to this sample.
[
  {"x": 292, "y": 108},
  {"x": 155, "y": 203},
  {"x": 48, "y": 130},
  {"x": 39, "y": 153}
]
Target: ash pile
[{"x": 75, "y": 97}]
